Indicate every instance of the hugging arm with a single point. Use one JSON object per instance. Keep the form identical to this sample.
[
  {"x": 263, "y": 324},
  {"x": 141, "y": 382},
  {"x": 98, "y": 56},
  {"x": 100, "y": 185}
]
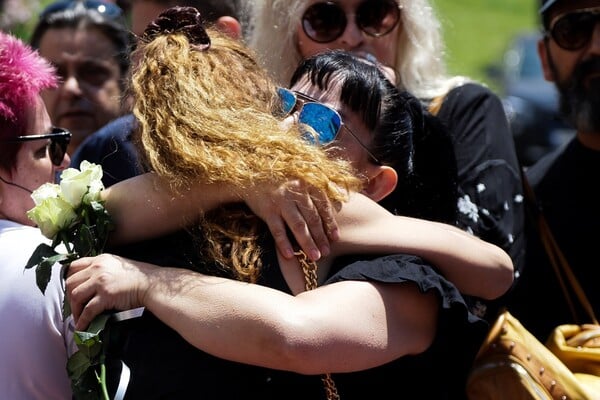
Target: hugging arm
[
  {"x": 146, "y": 206},
  {"x": 322, "y": 330},
  {"x": 476, "y": 267},
  {"x": 318, "y": 331}
]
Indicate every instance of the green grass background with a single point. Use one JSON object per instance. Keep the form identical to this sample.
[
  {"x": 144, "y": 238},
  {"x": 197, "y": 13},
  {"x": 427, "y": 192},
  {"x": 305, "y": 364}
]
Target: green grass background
[{"x": 476, "y": 31}]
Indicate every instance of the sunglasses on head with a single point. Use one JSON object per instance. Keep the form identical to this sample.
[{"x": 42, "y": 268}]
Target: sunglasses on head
[
  {"x": 324, "y": 122},
  {"x": 105, "y": 8},
  {"x": 573, "y": 30},
  {"x": 324, "y": 22},
  {"x": 57, "y": 147}
]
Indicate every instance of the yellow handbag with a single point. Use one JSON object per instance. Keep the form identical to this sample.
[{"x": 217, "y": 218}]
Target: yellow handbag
[{"x": 513, "y": 365}]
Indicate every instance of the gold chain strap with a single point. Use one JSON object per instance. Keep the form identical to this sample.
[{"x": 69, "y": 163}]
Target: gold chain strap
[{"x": 309, "y": 268}]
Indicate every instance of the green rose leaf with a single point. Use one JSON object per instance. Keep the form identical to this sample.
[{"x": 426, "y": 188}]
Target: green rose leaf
[
  {"x": 77, "y": 364},
  {"x": 43, "y": 271},
  {"x": 84, "y": 241},
  {"x": 40, "y": 253}
]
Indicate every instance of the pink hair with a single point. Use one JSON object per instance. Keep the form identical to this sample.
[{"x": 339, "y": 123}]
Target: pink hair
[{"x": 23, "y": 75}]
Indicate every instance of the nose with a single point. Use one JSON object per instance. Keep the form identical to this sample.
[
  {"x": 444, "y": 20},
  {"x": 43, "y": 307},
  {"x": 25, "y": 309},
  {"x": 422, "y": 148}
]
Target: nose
[
  {"x": 352, "y": 37},
  {"x": 595, "y": 42},
  {"x": 64, "y": 164},
  {"x": 71, "y": 86}
]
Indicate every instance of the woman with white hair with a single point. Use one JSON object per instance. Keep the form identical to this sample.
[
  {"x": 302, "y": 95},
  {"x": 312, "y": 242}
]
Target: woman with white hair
[{"x": 405, "y": 36}]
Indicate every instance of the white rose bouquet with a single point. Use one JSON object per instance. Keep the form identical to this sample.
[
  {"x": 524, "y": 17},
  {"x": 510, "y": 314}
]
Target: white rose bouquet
[{"x": 74, "y": 218}]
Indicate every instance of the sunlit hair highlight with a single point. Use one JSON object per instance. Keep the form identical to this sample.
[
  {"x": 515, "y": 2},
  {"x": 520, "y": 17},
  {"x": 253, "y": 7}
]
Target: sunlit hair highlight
[{"x": 207, "y": 116}]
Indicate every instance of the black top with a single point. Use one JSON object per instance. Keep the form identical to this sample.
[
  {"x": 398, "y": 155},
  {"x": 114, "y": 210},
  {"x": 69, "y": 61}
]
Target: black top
[
  {"x": 113, "y": 149},
  {"x": 564, "y": 183},
  {"x": 165, "y": 366},
  {"x": 490, "y": 192},
  {"x": 441, "y": 371}
]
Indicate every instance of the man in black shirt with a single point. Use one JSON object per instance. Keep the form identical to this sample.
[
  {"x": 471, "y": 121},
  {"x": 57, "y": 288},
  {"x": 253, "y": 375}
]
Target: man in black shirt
[{"x": 565, "y": 181}]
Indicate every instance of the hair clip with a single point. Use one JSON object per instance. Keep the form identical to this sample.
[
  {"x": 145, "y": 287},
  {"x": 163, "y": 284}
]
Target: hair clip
[{"x": 186, "y": 20}]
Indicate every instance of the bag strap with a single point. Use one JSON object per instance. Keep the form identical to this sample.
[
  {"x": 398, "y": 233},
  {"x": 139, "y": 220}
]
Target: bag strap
[
  {"x": 557, "y": 258},
  {"x": 309, "y": 268}
]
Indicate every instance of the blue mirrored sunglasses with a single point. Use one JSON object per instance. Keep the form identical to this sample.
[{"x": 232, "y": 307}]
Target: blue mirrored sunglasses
[
  {"x": 105, "y": 8},
  {"x": 324, "y": 122}
]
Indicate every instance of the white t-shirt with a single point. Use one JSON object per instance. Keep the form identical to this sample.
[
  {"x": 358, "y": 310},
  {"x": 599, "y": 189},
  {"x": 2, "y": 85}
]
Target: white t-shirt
[{"x": 33, "y": 335}]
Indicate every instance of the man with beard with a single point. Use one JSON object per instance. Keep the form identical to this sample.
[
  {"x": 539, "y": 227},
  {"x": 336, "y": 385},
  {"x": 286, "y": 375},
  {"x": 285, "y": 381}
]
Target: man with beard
[{"x": 565, "y": 181}]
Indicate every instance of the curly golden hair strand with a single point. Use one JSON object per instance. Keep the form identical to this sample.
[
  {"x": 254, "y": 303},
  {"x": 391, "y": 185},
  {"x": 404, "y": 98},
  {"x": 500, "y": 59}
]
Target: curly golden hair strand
[{"x": 206, "y": 115}]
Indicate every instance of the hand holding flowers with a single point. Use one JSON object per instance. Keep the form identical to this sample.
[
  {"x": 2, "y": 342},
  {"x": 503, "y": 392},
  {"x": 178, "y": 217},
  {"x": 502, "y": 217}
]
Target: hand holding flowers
[{"x": 73, "y": 216}]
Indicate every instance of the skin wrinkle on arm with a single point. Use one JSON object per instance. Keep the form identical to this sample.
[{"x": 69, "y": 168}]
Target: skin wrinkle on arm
[
  {"x": 484, "y": 271},
  {"x": 365, "y": 228},
  {"x": 340, "y": 327}
]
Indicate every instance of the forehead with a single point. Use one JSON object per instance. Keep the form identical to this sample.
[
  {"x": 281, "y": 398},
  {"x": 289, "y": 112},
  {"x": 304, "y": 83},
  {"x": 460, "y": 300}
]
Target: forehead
[
  {"x": 330, "y": 95},
  {"x": 87, "y": 42},
  {"x": 572, "y": 5}
]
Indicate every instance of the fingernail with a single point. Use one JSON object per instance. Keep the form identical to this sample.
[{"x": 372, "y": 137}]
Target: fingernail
[
  {"x": 325, "y": 250},
  {"x": 288, "y": 253},
  {"x": 334, "y": 234},
  {"x": 315, "y": 254}
]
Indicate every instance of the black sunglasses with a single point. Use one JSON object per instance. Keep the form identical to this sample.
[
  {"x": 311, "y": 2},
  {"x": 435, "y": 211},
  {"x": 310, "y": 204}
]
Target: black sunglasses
[
  {"x": 325, "y": 22},
  {"x": 105, "y": 8},
  {"x": 57, "y": 147},
  {"x": 573, "y": 30}
]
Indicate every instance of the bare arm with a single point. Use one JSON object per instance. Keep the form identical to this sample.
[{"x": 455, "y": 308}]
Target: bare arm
[
  {"x": 145, "y": 207},
  {"x": 341, "y": 327},
  {"x": 476, "y": 267}
]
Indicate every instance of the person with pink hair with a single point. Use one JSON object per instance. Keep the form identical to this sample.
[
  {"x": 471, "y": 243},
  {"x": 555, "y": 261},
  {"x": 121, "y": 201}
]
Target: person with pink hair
[{"x": 33, "y": 336}]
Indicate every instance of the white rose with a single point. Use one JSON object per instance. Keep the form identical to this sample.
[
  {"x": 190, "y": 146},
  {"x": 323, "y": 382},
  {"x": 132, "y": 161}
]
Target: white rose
[
  {"x": 75, "y": 184},
  {"x": 52, "y": 215},
  {"x": 47, "y": 190}
]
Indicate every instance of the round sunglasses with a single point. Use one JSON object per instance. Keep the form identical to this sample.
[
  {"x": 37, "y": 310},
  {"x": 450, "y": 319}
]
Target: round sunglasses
[
  {"x": 57, "y": 146},
  {"x": 574, "y": 30},
  {"x": 319, "y": 123},
  {"x": 325, "y": 22}
]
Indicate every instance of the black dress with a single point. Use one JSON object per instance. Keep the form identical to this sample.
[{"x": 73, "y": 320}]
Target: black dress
[
  {"x": 490, "y": 190},
  {"x": 165, "y": 366}
]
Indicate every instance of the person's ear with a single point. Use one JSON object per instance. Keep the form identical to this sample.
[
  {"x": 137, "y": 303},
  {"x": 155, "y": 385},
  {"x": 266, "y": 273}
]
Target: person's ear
[
  {"x": 542, "y": 48},
  {"x": 230, "y": 26},
  {"x": 381, "y": 183}
]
